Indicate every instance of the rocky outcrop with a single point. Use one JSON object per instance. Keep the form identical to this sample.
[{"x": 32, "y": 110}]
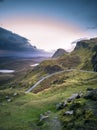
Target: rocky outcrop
[
  {"x": 82, "y": 44},
  {"x": 89, "y": 46},
  {"x": 94, "y": 58},
  {"x": 94, "y": 61},
  {"x": 80, "y": 114},
  {"x": 59, "y": 53},
  {"x": 91, "y": 94}
]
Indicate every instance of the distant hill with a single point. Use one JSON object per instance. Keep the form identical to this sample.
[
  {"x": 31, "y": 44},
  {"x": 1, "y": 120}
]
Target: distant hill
[
  {"x": 58, "y": 53},
  {"x": 84, "y": 56},
  {"x": 12, "y": 44}
]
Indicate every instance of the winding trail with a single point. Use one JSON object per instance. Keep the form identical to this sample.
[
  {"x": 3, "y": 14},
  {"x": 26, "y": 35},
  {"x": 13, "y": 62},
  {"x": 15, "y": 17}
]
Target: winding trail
[{"x": 50, "y": 75}]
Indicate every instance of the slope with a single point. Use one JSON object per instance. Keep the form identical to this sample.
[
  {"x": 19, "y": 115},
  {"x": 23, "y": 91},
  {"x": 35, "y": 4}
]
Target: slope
[
  {"x": 26, "y": 111},
  {"x": 84, "y": 56}
]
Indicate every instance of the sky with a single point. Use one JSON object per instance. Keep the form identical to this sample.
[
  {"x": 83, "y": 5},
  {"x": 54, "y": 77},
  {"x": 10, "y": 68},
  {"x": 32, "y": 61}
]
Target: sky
[{"x": 50, "y": 24}]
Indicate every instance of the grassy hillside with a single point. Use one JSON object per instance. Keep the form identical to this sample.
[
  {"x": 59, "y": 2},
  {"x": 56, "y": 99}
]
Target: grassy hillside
[
  {"x": 85, "y": 51},
  {"x": 81, "y": 57},
  {"x": 44, "y": 108},
  {"x": 23, "y": 111},
  {"x": 22, "y": 70}
]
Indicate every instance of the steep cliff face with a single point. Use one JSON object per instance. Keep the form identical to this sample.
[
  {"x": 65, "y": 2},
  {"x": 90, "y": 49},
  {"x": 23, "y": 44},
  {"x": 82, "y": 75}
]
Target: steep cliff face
[
  {"x": 94, "y": 58},
  {"x": 59, "y": 53},
  {"x": 94, "y": 62},
  {"x": 81, "y": 44},
  {"x": 87, "y": 51},
  {"x": 87, "y": 44}
]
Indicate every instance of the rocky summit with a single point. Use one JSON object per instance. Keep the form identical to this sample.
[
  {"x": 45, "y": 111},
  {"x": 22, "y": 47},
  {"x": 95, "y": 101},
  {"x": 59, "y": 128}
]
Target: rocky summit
[{"x": 59, "y": 53}]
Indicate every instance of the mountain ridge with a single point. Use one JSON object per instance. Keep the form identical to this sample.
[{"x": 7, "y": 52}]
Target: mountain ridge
[
  {"x": 84, "y": 56},
  {"x": 59, "y": 52}
]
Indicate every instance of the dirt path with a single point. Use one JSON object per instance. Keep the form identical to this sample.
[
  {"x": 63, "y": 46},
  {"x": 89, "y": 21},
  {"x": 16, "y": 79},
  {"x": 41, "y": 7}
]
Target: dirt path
[{"x": 38, "y": 82}]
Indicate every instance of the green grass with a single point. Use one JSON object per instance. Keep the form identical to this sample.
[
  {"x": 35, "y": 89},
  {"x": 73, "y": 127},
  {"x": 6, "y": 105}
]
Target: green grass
[
  {"x": 25, "y": 109},
  {"x": 63, "y": 80},
  {"x": 23, "y": 112}
]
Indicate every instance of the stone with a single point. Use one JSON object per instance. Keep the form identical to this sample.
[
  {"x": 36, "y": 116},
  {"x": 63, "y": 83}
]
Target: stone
[
  {"x": 15, "y": 94},
  {"x": 59, "y": 106},
  {"x": 65, "y": 103},
  {"x": 69, "y": 112},
  {"x": 47, "y": 113},
  {"x": 73, "y": 97},
  {"x": 89, "y": 89},
  {"x": 9, "y": 100},
  {"x": 91, "y": 95},
  {"x": 7, "y": 97},
  {"x": 81, "y": 94},
  {"x": 42, "y": 117}
]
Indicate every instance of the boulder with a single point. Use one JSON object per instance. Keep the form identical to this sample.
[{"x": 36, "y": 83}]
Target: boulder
[
  {"x": 15, "y": 94},
  {"x": 47, "y": 113},
  {"x": 91, "y": 95},
  {"x": 7, "y": 97},
  {"x": 73, "y": 97},
  {"x": 59, "y": 106},
  {"x": 69, "y": 112},
  {"x": 9, "y": 100},
  {"x": 65, "y": 103},
  {"x": 89, "y": 89},
  {"x": 43, "y": 117}
]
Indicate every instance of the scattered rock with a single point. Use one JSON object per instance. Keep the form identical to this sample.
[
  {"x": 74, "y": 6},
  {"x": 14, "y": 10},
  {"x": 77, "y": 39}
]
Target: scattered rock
[
  {"x": 60, "y": 106},
  {"x": 80, "y": 94},
  {"x": 9, "y": 100},
  {"x": 42, "y": 117},
  {"x": 65, "y": 103},
  {"x": 91, "y": 95},
  {"x": 7, "y": 97},
  {"x": 69, "y": 112},
  {"x": 75, "y": 105},
  {"x": 15, "y": 94},
  {"x": 90, "y": 89},
  {"x": 47, "y": 113},
  {"x": 73, "y": 97}
]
